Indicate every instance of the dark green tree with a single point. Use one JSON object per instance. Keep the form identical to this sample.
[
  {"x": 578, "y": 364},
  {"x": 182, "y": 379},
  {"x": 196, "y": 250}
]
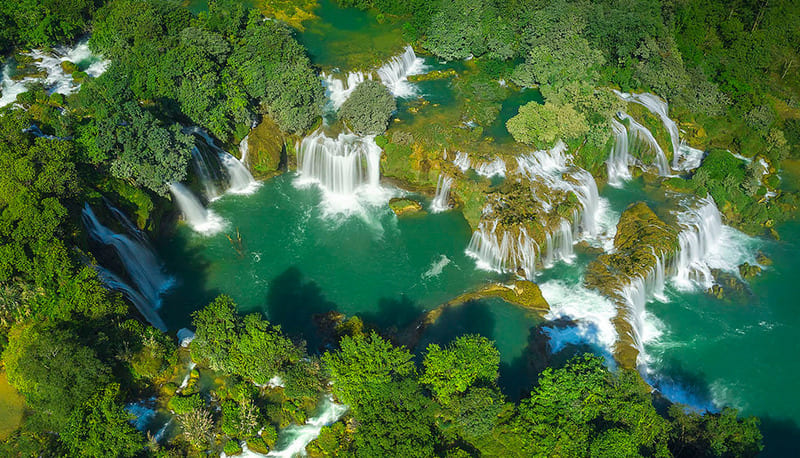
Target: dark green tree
[{"x": 368, "y": 109}]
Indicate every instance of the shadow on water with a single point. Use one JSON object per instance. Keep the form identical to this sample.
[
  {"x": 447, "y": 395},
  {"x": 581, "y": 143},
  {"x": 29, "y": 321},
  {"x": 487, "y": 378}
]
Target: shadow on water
[
  {"x": 293, "y": 303},
  {"x": 189, "y": 267},
  {"x": 474, "y": 317},
  {"x": 780, "y": 437},
  {"x": 393, "y": 313}
]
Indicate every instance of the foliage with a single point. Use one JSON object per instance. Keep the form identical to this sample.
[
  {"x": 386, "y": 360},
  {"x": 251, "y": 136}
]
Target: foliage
[
  {"x": 185, "y": 404},
  {"x": 100, "y": 427},
  {"x": 363, "y": 362},
  {"x": 45, "y": 22},
  {"x": 249, "y": 347},
  {"x": 720, "y": 434},
  {"x": 197, "y": 426},
  {"x": 53, "y": 370},
  {"x": 467, "y": 360},
  {"x": 368, "y": 109},
  {"x": 464, "y": 28},
  {"x": 542, "y": 125}
]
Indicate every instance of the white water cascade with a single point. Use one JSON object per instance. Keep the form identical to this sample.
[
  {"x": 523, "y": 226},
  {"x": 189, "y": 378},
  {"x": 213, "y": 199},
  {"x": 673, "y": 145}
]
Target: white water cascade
[
  {"x": 640, "y": 136},
  {"x": 559, "y": 244},
  {"x": 55, "y": 79},
  {"x": 141, "y": 266},
  {"x": 300, "y": 436},
  {"x": 702, "y": 231},
  {"x": 620, "y": 159},
  {"x": 198, "y": 217},
  {"x": 342, "y": 165},
  {"x": 394, "y": 74},
  {"x": 211, "y": 160},
  {"x": 497, "y": 167},
  {"x": 244, "y": 148},
  {"x": 462, "y": 161},
  {"x": 441, "y": 199},
  {"x": 503, "y": 252},
  {"x": 339, "y": 90}
]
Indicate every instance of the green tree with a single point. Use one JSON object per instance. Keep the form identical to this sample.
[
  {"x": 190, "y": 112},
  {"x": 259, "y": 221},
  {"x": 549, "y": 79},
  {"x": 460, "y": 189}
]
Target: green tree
[
  {"x": 368, "y": 109},
  {"x": 542, "y": 125},
  {"x": 364, "y": 361},
  {"x": 100, "y": 427},
  {"x": 54, "y": 371},
  {"x": 467, "y": 360}
]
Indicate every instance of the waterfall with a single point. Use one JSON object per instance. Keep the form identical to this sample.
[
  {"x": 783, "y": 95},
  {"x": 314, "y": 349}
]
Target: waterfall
[
  {"x": 620, "y": 159},
  {"x": 586, "y": 191},
  {"x": 559, "y": 244},
  {"x": 214, "y": 165},
  {"x": 638, "y": 133},
  {"x": 141, "y": 266},
  {"x": 198, "y": 217},
  {"x": 339, "y": 90},
  {"x": 340, "y": 165},
  {"x": 490, "y": 169},
  {"x": 441, "y": 200},
  {"x": 394, "y": 73},
  {"x": 294, "y": 439},
  {"x": 505, "y": 252},
  {"x": 244, "y": 148},
  {"x": 55, "y": 79},
  {"x": 660, "y": 108},
  {"x": 701, "y": 232},
  {"x": 462, "y": 161},
  {"x": 689, "y": 158},
  {"x": 241, "y": 181}
]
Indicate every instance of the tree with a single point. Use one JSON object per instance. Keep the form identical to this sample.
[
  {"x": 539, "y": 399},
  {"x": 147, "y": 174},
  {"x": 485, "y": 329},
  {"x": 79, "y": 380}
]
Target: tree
[
  {"x": 467, "y": 360},
  {"x": 248, "y": 347},
  {"x": 721, "y": 434},
  {"x": 368, "y": 109},
  {"x": 100, "y": 427},
  {"x": 54, "y": 371},
  {"x": 542, "y": 125},
  {"x": 364, "y": 361}
]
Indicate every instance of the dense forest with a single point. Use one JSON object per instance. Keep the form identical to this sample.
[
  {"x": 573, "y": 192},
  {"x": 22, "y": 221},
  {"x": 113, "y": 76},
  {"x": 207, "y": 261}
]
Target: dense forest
[{"x": 80, "y": 353}]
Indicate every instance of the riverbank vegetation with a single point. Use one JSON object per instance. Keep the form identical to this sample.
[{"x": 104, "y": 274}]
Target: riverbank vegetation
[{"x": 80, "y": 354}]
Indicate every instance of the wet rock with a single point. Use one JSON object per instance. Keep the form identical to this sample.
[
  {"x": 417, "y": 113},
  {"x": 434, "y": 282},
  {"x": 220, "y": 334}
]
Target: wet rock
[
  {"x": 405, "y": 207},
  {"x": 748, "y": 271}
]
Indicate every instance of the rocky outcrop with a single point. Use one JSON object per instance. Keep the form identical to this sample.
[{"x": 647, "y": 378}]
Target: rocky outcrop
[
  {"x": 266, "y": 149},
  {"x": 405, "y": 207}
]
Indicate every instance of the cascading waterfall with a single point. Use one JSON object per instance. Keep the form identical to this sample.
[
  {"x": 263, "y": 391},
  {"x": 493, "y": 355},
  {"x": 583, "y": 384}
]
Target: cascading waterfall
[
  {"x": 211, "y": 160},
  {"x": 244, "y": 148},
  {"x": 340, "y": 165},
  {"x": 505, "y": 252},
  {"x": 394, "y": 74},
  {"x": 559, "y": 244},
  {"x": 300, "y": 436},
  {"x": 55, "y": 79},
  {"x": 198, "y": 217},
  {"x": 620, "y": 159},
  {"x": 141, "y": 266},
  {"x": 489, "y": 169},
  {"x": 702, "y": 231},
  {"x": 441, "y": 199},
  {"x": 339, "y": 90},
  {"x": 638, "y": 133},
  {"x": 462, "y": 161}
]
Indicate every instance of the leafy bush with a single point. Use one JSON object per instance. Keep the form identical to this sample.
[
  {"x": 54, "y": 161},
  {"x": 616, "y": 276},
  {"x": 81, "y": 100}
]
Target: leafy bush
[{"x": 368, "y": 109}]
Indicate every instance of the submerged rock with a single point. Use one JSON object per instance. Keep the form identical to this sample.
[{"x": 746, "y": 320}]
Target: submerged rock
[
  {"x": 728, "y": 287},
  {"x": 405, "y": 207},
  {"x": 748, "y": 271}
]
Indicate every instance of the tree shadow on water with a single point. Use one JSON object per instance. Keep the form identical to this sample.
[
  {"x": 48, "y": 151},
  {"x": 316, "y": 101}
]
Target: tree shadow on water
[
  {"x": 393, "y": 313},
  {"x": 473, "y": 317},
  {"x": 293, "y": 303}
]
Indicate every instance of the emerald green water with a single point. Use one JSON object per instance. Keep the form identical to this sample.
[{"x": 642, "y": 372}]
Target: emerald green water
[{"x": 349, "y": 39}]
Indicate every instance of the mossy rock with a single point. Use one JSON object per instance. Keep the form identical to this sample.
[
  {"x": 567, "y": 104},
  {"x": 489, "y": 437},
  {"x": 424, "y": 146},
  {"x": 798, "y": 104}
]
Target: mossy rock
[
  {"x": 405, "y": 207},
  {"x": 257, "y": 445},
  {"x": 265, "y": 148},
  {"x": 69, "y": 67},
  {"x": 749, "y": 271},
  {"x": 730, "y": 288},
  {"x": 232, "y": 448},
  {"x": 762, "y": 259},
  {"x": 79, "y": 77},
  {"x": 433, "y": 75}
]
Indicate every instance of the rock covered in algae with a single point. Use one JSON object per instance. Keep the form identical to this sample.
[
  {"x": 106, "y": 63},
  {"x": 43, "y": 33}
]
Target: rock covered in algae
[
  {"x": 641, "y": 236},
  {"x": 265, "y": 148},
  {"x": 748, "y": 271},
  {"x": 433, "y": 75},
  {"x": 404, "y": 207}
]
